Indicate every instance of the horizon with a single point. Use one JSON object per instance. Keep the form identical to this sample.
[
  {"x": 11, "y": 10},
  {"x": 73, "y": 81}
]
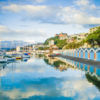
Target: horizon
[{"x": 36, "y": 20}]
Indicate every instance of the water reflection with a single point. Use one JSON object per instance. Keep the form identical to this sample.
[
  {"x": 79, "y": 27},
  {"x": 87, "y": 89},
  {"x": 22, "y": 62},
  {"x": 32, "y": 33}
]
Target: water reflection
[{"x": 48, "y": 79}]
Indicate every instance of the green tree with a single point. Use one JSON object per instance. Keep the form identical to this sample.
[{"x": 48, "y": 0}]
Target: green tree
[{"x": 94, "y": 38}]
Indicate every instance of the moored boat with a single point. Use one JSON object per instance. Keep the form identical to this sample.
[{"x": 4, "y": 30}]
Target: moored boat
[{"x": 18, "y": 56}]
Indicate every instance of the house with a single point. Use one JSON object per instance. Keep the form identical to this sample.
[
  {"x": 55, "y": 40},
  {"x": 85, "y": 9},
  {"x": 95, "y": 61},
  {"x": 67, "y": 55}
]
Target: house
[
  {"x": 79, "y": 37},
  {"x": 62, "y": 36},
  {"x": 51, "y": 42},
  {"x": 93, "y": 29}
]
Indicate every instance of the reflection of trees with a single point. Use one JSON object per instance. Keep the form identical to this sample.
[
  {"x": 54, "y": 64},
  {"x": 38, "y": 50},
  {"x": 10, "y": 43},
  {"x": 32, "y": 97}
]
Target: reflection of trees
[
  {"x": 47, "y": 61},
  {"x": 2, "y": 65},
  {"x": 39, "y": 55},
  {"x": 94, "y": 80},
  {"x": 58, "y": 64}
]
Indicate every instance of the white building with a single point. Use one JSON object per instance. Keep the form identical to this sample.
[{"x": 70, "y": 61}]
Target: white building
[
  {"x": 18, "y": 48},
  {"x": 51, "y": 42}
]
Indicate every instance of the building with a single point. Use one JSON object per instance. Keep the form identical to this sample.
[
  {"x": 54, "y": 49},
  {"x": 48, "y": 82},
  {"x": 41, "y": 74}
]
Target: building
[
  {"x": 28, "y": 48},
  {"x": 51, "y": 42},
  {"x": 78, "y": 37},
  {"x": 40, "y": 45},
  {"x": 54, "y": 47},
  {"x": 93, "y": 29},
  {"x": 18, "y": 48},
  {"x": 62, "y": 36},
  {"x": 70, "y": 40}
]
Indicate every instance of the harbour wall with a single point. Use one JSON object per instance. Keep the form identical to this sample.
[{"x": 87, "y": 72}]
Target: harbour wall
[{"x": 86, "y": 53}]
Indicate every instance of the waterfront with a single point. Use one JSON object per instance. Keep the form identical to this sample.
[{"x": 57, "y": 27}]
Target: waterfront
[{"x": 46, "y": 79}]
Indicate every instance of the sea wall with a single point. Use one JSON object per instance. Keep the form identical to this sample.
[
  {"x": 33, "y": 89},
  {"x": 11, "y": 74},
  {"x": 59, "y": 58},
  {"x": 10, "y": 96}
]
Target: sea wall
[{"x": 87, "y": 53}]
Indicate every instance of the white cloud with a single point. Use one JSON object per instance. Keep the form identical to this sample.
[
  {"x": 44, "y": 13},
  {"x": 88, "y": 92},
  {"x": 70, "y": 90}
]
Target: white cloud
[
  {"x": 45, "y": 21},
  {"x": 3, "y": 28},
  {"x": 67, "y": 15},
  {"x": 80, "y": 87},
  {"x": 19, "y": 94},
  {"x": 27, "y": 8},
  {"x": 82, "y": 2},
  {"x": 72, "y": 15},
  {"x": 85, "y": 4},
  {"x": 39, "y": 1},
  {"x": 27, "y": 35}
]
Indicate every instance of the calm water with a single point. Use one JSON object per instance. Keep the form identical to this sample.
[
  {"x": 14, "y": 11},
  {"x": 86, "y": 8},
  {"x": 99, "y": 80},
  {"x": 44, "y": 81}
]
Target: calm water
[{"x": 48, "y": 79}]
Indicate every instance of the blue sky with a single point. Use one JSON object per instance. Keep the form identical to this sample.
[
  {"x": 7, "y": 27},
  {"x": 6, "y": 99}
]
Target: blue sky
[{"x": 36, "y": 20}]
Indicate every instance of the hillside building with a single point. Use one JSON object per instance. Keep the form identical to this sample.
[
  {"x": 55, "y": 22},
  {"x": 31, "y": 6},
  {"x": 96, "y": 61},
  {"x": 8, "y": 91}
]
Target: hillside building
[
  {"x": 62, "y": 36},
  {"x": 93, "y": 29},
  {"x": 51, "y": 42}
]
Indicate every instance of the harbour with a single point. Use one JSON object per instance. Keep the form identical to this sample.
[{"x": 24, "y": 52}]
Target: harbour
[
  {"x": 36, "y": 78},
  {"x": 49, "y": 49}
]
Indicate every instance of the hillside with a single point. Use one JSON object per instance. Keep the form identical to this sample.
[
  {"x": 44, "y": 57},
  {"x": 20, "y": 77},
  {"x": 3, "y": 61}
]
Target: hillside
[
  {"x": 59, "y": 43},
  {"x": 91, "y": 39},
  {"x": 94, "y": 38}
]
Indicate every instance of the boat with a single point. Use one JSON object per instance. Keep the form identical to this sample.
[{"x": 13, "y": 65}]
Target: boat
[{"x": 18, "y": 56}]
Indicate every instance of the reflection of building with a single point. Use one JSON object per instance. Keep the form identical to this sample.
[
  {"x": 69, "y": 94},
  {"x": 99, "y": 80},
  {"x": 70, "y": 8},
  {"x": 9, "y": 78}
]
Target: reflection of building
[
  {"x": 58, "y": 63},
  {"x": 62, "y": 67}
]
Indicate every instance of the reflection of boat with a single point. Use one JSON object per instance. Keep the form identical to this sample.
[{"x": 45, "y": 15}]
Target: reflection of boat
[
  {"x": 9, "y": 58},
  {"x": 2, "y": 59},
  {"x": 25, "y": 59},
  {"x": 26, "y": 55},
  {"x": 2, "y": 65}
]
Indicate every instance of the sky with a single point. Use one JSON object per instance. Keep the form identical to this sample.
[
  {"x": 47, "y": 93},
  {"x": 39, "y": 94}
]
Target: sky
[{"x": 37, "y": 20}]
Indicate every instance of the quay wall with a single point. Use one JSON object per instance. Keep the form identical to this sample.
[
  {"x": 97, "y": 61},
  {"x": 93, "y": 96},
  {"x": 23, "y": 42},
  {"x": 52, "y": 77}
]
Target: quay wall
[{"x": 86, "y": 53}]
